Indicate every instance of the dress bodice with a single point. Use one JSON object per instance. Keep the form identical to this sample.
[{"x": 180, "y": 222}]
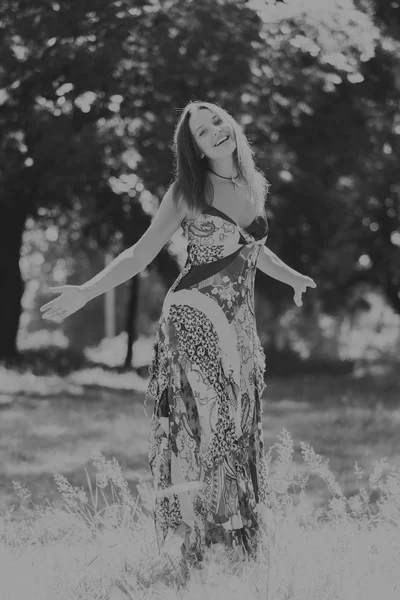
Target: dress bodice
[
  {"x": 213, "y": 235},
  {"x": 215, "y": 241}
]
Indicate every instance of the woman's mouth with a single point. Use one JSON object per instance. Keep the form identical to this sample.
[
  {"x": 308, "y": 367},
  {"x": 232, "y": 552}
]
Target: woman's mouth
[{"x": 221, "y": 141}]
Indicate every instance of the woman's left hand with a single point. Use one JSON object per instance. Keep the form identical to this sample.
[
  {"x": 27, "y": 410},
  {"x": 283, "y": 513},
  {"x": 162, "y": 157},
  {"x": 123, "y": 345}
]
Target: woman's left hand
[{"x": 300, "y": 286}]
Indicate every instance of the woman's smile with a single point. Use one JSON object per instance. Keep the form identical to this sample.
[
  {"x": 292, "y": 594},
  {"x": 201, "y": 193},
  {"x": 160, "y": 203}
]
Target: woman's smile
[{"x": 225, "y": 138}]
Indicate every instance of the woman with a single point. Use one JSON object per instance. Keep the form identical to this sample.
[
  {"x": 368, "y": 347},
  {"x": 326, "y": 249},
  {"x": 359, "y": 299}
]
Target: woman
[{"x": 207, "y": 371}]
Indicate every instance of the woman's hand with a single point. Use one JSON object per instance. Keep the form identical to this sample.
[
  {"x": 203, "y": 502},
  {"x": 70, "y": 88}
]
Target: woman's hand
[
  {"x": 72, "y": 299},
  {"x": 300, "y": 286}
]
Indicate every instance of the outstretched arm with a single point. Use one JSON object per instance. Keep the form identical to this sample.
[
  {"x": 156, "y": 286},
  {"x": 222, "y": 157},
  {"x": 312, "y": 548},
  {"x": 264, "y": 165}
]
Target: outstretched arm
[
  {"x": 136, "y": 258},
  {"x": 125, "y": 266},
  {"x": 270, "y": 264}
]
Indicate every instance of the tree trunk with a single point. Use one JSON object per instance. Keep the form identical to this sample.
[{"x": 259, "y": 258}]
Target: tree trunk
[
  {"x": 11, "y": 284},
  {"x": 131, "y": 317},
  {"x": 392, "y": 290},
  {"x": 168, "y": 270}
]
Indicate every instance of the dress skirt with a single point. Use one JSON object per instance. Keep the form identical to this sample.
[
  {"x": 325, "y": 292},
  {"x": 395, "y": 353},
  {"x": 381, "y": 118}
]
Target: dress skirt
[{"x": 205, "y": 447}]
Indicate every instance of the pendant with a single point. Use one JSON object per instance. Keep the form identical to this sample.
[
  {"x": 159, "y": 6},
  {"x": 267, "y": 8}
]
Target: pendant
[{"x": 234, "y": 182}]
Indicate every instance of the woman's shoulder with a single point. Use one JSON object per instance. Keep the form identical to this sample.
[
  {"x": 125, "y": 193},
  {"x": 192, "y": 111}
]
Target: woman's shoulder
[
  {"x": 177, "y": 201},
  {"x": 187, "y": 211}
]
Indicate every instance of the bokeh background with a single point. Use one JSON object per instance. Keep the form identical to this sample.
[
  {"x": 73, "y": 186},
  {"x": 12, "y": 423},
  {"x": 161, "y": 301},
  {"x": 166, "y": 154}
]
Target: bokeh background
[{"x": 90, "y": 94}]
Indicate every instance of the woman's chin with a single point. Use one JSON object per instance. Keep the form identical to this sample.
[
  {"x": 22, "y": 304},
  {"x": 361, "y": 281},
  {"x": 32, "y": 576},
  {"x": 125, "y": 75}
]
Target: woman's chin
[{"x": 225, "y": 153}]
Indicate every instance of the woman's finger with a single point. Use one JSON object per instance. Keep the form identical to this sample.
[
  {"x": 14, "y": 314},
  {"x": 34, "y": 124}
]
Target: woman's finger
[
  {"x": 56, "y": 319},
  {"x": 50, "y": 304},
  {"x": 53, "y": 310},
  {"x": 55, "y": 313},
  {"x": 297, "y": 298},
  {"x": 59, "y": 318}
]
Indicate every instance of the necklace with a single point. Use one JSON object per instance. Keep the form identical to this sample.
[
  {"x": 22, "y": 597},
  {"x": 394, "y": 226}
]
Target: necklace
[{"x": 232, "y": 179}]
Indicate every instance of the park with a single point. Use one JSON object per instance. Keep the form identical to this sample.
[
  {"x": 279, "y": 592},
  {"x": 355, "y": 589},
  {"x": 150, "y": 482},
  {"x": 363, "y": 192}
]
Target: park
[{"x": 89, "y": 101}]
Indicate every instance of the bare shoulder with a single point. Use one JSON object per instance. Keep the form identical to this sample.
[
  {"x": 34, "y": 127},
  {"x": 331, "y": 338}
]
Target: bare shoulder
[
  {"x": 180, "y": 210},
  {"x": 177, "y": 210},
  {"x": 166, "y": 222}
]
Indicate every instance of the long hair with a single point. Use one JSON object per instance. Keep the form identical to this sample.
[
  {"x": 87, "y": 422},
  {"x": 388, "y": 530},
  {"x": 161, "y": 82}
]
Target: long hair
[{"x": 191, "y": 184}]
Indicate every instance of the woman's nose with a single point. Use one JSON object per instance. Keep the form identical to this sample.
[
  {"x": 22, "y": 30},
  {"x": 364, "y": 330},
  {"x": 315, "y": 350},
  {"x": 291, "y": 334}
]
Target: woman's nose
[{"x": 217, "y": 131}]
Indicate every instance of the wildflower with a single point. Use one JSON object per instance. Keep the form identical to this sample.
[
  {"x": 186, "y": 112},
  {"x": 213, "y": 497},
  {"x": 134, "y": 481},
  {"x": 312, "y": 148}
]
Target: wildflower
[
  {"x": 111, "y": 470},
  {"x": 21, "y": 491},
  {"x": 68, "y": 493}
]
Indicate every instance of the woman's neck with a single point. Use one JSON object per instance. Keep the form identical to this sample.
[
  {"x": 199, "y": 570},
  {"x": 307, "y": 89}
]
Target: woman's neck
[
  {"x": 224, "y": 181},
  {"x": 224, "y": 167}
]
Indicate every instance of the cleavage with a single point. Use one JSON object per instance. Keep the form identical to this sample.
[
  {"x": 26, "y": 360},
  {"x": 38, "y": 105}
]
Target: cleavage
[
  {"x": 228, "y": 217},
  {"x": 238, "y": 198}
]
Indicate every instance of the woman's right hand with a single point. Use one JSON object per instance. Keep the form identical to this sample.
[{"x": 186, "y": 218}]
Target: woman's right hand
[{"x": 72, "y": 298}]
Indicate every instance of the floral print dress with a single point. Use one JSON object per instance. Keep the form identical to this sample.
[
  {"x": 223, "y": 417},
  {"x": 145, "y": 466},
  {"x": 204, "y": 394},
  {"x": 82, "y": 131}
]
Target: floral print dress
[{"x": 206, "y": 380}]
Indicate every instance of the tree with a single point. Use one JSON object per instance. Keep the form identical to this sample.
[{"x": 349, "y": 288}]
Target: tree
[
  {"x": 89, "y": 102},
  {"x": 81, "y": 85},
  {"x": 331, "y": 79}
]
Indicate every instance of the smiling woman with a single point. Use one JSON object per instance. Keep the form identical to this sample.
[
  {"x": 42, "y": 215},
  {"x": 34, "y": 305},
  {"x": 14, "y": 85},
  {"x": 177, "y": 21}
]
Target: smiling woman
[
  {"x": 205, "y": 448},
  {"x": 212, "y": 151}
]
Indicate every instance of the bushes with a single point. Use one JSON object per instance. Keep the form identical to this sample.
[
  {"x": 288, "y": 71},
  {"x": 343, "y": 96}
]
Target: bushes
[
  {"x": 49, "y": 359},
  {"x": 289, "y": 363}
]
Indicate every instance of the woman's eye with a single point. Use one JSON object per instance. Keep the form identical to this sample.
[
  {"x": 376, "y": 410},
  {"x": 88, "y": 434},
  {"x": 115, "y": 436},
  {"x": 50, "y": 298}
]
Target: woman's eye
[{"x": 219, "y": 120}]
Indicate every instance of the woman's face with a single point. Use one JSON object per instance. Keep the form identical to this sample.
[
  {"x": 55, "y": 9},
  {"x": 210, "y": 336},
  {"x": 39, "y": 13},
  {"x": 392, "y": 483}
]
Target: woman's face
[{"x": 209, "y": 131}]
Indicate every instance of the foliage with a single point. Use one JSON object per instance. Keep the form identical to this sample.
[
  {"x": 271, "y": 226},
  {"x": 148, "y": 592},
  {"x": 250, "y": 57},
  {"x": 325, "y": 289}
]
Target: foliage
[{"x": 88, "y": 107}]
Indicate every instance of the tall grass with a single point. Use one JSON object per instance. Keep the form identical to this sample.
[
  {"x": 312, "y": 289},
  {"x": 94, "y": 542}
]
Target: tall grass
[{"x": 101, "y": 543}]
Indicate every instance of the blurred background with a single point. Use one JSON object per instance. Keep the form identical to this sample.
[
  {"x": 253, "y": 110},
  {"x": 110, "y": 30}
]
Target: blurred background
[{"x": 89, "y": 97}]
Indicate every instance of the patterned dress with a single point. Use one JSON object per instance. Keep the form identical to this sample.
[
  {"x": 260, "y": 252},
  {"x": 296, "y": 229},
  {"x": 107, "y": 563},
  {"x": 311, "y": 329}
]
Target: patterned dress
[{"x": 206, "y": 380}]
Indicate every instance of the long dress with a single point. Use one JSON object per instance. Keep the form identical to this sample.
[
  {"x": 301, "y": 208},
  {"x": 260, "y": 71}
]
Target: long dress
[{"x": 206, "y": 451}]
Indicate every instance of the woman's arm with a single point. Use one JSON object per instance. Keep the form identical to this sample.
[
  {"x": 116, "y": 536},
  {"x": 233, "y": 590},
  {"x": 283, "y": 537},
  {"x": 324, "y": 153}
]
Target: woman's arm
[
  {"x": 125, "y": 266},
  {"x": 271, "y": 265},
  {"x": 128, "y": 264},
  {"x": 136, "y": 258},
  {"x": 75, "y": 297}
]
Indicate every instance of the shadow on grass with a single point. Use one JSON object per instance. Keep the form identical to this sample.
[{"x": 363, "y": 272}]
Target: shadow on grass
[
  {"x": 336, "y": 382},
  {"x": 54, "y": 360},
  {"x": 62, "y": 361},
  {"x": 288, "y": 363}
]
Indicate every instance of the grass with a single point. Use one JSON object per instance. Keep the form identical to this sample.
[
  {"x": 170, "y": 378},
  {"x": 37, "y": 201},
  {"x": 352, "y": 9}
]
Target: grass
[{"x": 76, "y": 493}]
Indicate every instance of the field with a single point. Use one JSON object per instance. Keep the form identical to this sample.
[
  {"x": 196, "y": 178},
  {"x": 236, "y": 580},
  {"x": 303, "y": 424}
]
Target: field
[{"x": 52, "y": 425}]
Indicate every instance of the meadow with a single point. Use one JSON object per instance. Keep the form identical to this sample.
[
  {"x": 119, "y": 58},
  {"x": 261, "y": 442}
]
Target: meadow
[{"x": 76, "y": 492}]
